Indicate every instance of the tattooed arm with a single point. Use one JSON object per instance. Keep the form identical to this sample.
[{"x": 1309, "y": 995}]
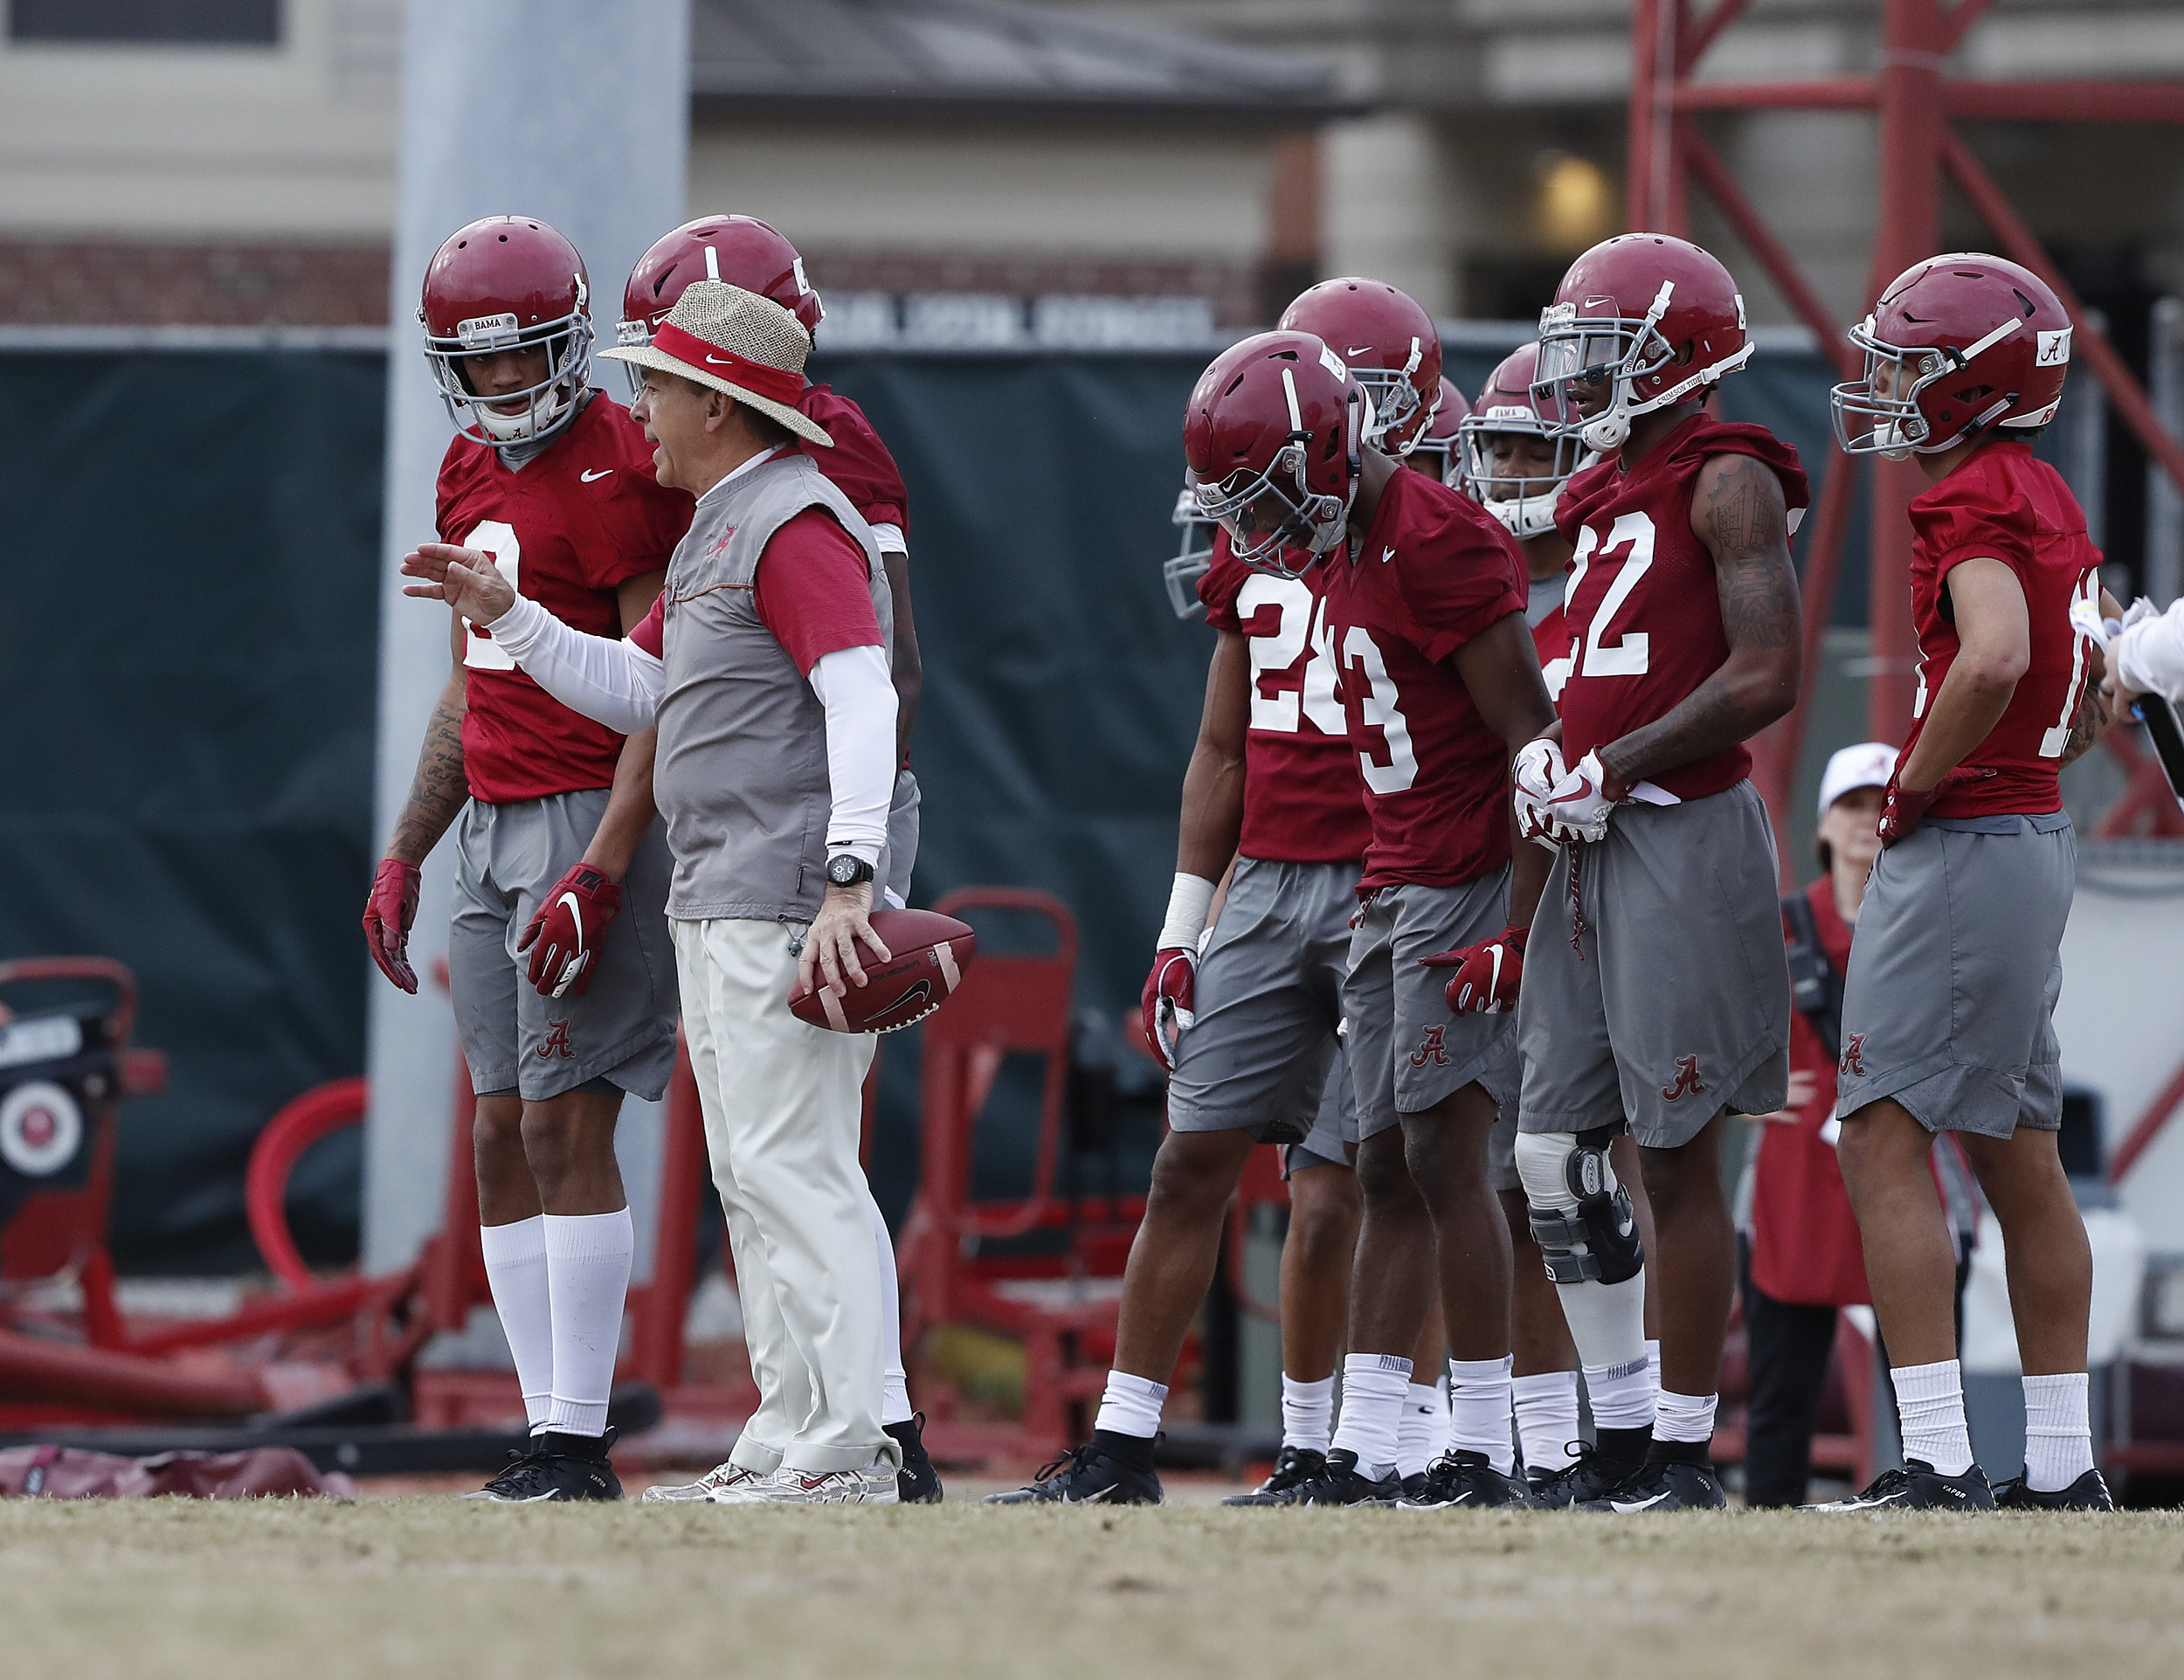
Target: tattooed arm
[
  {"x": 1738, "y": 511},
  {"x": 439, "y": 788}
]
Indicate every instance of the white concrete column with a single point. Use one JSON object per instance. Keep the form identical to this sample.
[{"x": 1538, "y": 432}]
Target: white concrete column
[
  {"x": 577, "y": 112},
  {"x": 1390, "y": 208}
]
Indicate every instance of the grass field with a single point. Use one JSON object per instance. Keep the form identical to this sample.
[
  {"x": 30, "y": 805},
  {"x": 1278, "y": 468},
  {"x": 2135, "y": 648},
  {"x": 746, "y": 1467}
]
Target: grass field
[{"x": 427, "y": 1586}]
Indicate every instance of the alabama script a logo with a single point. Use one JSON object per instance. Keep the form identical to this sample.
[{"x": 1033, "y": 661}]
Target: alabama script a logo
[
  {"x": 1687, "y": 1079},
  {"x": 1430, "y": 1049},
  {"x": 1853, "y": 1063},
  {"x": 556, "y": 1042}
]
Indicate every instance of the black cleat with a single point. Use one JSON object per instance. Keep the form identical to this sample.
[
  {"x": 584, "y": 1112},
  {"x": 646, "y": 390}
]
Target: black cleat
[
  {"x": 1339, "y": 1482},
  {"x": 556, "y": 1469},
  {"x": 1669, "y": 1484},
  {"x": 1293, "y": 1465},
  {"x": 1085, "y": 1475},
  {"x": 917, "y": 1483},
  {"x": 1919, "y": 1486},
  {"x": 2089, "y": 1492},
  {"x": 1591, "y": 1476},
  {"x": 1463, "y": 1478}
]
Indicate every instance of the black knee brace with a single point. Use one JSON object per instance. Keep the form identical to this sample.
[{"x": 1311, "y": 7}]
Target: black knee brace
[{"x": 1598, "y": 1239}]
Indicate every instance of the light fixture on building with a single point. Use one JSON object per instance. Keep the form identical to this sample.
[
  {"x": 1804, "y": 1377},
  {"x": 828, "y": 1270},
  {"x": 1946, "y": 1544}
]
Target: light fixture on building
[{"x": 1576, "y": 202}]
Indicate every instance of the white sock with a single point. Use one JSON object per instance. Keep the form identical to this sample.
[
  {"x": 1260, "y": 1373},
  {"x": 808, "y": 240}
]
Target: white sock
[
  {"x": 1684, "y": 1417},
  {"x": 515, "y": 1267},
  {"x": 587, "y": 1273},
  {"x": 1607, "y": 1321},
  {"x": 1479, "y": 1411},
  {"x": 1622, "y": 1395},
  {"x": 894, "y": 1388},
  {"x": 1546, "y": 1405},
  {"x": 1652, "y": 1366},
  {"x": 1308, "y": 1412},
  {"x": 2058, "y": 1432},
  {"x": 1930, "y": 1401},
  {"x": 1131, "y": 1406},
  {"x": 1421, "y": 1429},
  {"x": 1372, "y": 1389}
]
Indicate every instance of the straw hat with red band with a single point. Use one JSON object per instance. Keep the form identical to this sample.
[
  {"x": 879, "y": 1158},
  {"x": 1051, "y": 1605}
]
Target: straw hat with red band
[{"x": 739, "y": 343}]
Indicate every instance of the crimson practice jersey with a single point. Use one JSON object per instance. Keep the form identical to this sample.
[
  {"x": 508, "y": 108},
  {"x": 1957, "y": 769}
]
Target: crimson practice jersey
[
  {"x": 2004, "y": 505},
  {"x": 1301, "y": 800},
  {"x": 1434, "y": 571},
  {"x": 859, "y": 464},
  {"x": 581, "y": 517},
  {"x": 1552, "y": 637},
  {"x": 1643, "y": 611}
]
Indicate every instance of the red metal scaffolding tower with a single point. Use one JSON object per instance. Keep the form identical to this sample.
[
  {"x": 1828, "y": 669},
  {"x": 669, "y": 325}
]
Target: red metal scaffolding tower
[{"x": 1916, "y": 103}]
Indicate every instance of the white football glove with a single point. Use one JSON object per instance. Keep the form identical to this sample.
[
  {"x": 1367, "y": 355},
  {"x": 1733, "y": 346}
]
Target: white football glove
[
  {"x": 1537, "y": 769},
  {"x": 1576, "y": 808}
]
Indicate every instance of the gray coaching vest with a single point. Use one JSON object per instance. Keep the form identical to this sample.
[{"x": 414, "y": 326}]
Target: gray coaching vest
[{"x": 741, "y": 774}]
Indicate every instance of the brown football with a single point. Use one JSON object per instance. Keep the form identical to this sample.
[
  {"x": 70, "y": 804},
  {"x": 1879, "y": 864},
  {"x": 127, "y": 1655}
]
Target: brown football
[{"x": 930, "y": 954}]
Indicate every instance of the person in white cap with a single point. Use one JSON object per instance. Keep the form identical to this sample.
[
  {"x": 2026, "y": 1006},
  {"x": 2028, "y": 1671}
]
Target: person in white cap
[
  {"x": 765, "y": 669},
  {"x": 1802, "y": 1259}
]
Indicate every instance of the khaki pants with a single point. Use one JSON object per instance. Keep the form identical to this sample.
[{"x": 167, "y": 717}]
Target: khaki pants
[{"x": 783, "y": 1103}]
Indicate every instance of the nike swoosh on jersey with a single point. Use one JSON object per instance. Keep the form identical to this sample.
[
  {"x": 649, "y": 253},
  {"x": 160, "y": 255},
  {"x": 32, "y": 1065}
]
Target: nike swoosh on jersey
[
  {"x": 1387, "y": 555},
  {"x": 588, "y": 475}
]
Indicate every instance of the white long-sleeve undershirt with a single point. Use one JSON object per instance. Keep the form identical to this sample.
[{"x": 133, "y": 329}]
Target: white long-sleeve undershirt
[
  {"x": 2148, "y": 658},
  {"x": 620, "y": 684}
]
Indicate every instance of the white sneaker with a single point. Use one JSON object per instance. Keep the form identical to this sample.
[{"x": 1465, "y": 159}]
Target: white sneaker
[
  {"x": 875, "y": 1485},
  {"x": 720, "y": 1480}
]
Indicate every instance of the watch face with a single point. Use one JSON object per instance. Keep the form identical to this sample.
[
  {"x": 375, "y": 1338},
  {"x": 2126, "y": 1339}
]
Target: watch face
[{"x": 842, "y": 871}]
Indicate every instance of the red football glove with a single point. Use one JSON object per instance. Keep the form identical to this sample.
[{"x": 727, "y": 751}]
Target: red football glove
[
  {"x": 1487, "y": 974},
  {"x": 388, "y": 913},
  {"x": 567, "y": 929},
  {"x": 1900, "y": 814},
  {"x": 1170, "y": 1001}
]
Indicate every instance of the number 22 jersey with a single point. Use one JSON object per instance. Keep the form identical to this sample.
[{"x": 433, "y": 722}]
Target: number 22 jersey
[
  {"x": 1642, "y": 609},
  {"x": 1302, "y": 803}
]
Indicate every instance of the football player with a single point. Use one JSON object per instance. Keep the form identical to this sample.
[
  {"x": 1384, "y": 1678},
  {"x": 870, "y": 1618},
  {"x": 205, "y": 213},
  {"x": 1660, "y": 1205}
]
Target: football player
[
  {"x": 1438, "y": 683},
  {"x": 1655, "y": 995},
  {"x": 1510, "y": 455},
  {"x": 1249, "y": 1033},
  {"x": 1949, "y": 998},
  {"x": 556, "y": 482},
  {"x": 746, "y": 252}
]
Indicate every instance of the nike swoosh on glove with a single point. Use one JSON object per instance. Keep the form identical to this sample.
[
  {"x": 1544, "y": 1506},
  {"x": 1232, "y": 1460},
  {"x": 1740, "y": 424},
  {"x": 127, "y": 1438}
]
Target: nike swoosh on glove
[
  {"x": 1539, "y": 767},
  {"x": 1577, "y": 809},
  {"x": 388, "y": 913},
  {"x": 567, "y": 929},
  {"x": 1488, "y": 974},
  {"x": 1904, "y": 807},
  {"x": 1170, "y": 1001}
]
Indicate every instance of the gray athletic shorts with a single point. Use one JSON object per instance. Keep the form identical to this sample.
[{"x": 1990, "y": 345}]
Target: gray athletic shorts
[
  {"x": 1269, "y": 1001},
  {"x": 1335, "y": 1124},
  {"x": 1674, "y": 1003},
  {"x": 1948, "y": 1006},
  {"x": 1408, "y": 1049},
  {"x": 623, "y": 1029},
  {"x": 903, "y": 828}
]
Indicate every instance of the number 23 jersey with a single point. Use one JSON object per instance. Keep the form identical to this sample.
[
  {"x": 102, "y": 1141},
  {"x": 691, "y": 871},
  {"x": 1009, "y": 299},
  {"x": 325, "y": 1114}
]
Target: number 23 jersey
[
  {"x": 1642, "y": 608},
  {"x": 1302, "y": 803},
  {"x": 1434, "y": 571},
  {"x": 578, "y": 520}
]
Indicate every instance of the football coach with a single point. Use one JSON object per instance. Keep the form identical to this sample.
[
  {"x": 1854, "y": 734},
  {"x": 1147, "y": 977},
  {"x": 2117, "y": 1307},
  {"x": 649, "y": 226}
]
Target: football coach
[{"x": 764, "y": 667}]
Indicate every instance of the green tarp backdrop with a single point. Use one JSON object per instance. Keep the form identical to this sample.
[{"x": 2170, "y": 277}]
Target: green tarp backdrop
[{"x": 189, "y": 544}]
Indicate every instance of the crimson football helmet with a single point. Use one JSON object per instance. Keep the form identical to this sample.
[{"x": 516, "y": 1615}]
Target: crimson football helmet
[
  {"x": 1434, "y": 453},
  {"x": 507, "y": 283},
  {"x": 1640, "y": 322},
  {"x": 1524, "y": 502},
  {"x": 1271, "y": 434},
  {"x": 741, "y": 250},
  {"x": 1390, "y": 346},
  {"x": 1957, "y": 343}
]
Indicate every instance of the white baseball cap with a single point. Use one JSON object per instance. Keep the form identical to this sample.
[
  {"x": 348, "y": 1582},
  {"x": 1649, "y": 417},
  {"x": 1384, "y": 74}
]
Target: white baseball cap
[{"x": 1868, "y": 764}]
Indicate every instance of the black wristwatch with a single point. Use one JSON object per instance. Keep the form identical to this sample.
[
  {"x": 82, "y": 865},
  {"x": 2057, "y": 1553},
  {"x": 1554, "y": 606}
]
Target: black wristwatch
[{"x": 846, "y": 869}]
